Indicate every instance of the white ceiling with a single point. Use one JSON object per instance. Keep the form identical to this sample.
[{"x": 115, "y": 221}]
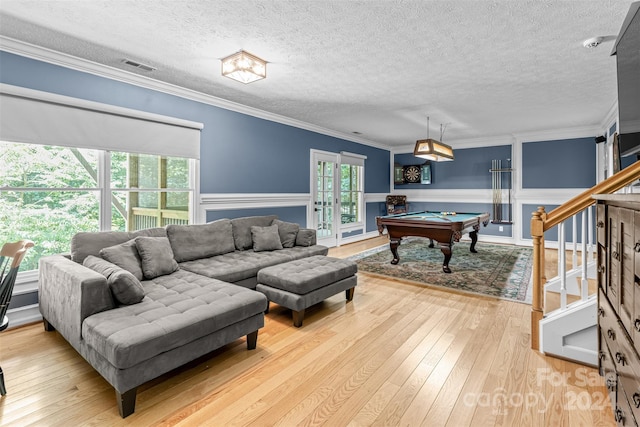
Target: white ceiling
[{"x": 485, "y": 68}]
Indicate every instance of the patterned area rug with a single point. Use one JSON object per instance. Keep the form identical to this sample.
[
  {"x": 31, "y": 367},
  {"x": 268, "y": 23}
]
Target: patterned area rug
[{"x": 501, "y": 271}]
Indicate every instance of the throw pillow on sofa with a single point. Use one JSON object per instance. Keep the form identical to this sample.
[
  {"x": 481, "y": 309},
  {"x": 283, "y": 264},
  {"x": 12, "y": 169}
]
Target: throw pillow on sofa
[
  {"x": 288, "y": 232},
  {"x": 266, "y": 238},
  {"x": 242, "y": 229},
  {"x": 196, "y": 241},
  {"x": 156, "y": 256},
  {"x": 124, "y": 255},
  {"x": 85, "y": 243},
  {"x": 126, "y": 289},
  {"x": 305, "y": 237}
]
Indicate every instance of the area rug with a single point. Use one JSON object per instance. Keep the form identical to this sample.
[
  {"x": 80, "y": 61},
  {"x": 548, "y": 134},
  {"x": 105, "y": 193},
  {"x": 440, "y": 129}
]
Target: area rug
[{"x": 501, "y": 271}]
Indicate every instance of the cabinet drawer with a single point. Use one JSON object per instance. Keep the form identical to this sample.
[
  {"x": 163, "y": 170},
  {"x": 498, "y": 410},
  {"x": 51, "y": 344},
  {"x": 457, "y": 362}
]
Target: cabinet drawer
[
  {"x": 601, "y": 220},
  {"x": 610, "y": 328},
  {"x": 634, "y": 330},
  {"x": 629, "y": 389},
  {"x": 623, "y": 413},
  {"x": 636, "y": 244},
  {"x": 608, "y": 371}
]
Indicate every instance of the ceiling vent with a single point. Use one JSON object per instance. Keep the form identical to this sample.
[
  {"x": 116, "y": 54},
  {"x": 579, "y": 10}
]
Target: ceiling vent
[{"x": 143, "y": 67}]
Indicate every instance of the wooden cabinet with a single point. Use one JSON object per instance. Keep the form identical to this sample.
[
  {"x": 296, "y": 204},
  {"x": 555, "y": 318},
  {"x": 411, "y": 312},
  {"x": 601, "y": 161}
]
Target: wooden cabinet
[{"x": 618, "y": 237}]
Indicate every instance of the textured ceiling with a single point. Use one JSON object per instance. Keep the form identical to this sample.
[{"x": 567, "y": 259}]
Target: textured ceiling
[{"x": 380, "y": 67}]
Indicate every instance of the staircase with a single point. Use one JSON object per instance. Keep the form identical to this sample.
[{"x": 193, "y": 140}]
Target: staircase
[{"x": 563, "y": 311}]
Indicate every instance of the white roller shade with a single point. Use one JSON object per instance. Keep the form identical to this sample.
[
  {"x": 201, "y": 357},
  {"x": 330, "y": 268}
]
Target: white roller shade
[
  {"x": 352, "y": 159},
  {"x": 43, "y": 118}
]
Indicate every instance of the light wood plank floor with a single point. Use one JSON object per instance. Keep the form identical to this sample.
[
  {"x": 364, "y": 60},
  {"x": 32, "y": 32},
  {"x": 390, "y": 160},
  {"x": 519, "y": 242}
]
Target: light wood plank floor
[{"x": 398, "y": 354}]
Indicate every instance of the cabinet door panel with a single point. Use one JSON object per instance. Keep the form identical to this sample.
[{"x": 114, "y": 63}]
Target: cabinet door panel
[
  {"x": 613, "y": 257},
  {"x": 601, "y": 221},
  {"x": 626, "y": 266},
  {"x": 636, "y": 242}
]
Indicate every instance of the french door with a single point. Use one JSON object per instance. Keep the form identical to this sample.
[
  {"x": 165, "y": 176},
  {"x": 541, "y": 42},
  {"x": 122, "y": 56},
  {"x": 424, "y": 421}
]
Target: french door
[{"x": 326, "y": 197}]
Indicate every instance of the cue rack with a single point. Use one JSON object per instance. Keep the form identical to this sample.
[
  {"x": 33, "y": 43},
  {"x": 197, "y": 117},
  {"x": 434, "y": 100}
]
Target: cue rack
[{"x": 501, "y": 179}]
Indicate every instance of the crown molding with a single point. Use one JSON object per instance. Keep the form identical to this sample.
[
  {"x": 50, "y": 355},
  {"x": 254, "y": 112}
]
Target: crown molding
[
  {"x": 558, "y": 134},
  {"x": 610, "y": 118},
  {"x": 68, "y": 61},
  {"x": 459, "y": 144},
  {"x": 488, "y": 141}
]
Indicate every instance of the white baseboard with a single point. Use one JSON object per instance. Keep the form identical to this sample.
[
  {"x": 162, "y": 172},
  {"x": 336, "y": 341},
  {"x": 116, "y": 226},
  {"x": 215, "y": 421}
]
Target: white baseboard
[{"x": 23, "y": 315}]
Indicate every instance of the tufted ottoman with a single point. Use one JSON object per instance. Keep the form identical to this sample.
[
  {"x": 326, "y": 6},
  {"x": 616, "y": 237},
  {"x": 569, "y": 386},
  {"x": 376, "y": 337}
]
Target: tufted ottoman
[{"x": 302, "y": 283}]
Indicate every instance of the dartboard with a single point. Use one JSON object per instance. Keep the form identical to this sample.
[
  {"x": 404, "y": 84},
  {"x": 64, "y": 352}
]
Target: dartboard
[{"x": 412, "y": 173}]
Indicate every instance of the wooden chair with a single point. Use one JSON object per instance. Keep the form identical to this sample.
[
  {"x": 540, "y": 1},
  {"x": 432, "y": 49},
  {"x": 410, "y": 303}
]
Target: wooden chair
[{"x": 11, "y": 256}]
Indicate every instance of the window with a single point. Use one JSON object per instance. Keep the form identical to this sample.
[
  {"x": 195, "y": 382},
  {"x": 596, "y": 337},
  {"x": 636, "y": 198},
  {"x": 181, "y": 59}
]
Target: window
[
  {"x": 149, "y": 191},
  {"x": 351, "y": 191},
  {"x": 49, "y": 193}
]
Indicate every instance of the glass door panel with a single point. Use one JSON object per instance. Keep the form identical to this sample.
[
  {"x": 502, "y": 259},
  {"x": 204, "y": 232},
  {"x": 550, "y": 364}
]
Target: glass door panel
[{"x": 325, "y": 199}]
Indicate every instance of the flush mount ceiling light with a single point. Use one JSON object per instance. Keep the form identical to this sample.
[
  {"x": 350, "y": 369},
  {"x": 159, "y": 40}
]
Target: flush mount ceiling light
[
  {"x": 244, "y": 67},
  {"x": 431, "y": 149}
]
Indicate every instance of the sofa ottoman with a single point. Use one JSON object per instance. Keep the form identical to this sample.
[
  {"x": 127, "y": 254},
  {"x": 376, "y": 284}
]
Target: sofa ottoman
[{"x": 299, "y": 284}]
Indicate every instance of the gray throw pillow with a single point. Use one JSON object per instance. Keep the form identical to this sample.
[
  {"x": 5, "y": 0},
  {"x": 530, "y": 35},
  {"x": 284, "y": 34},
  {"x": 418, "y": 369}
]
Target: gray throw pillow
[
  {"x": 196, "y": 241},
  {"x": 288, "y": 232},
  {"x": 156, "y": 256},
  {"x": 126, "y": 289},
  {"x": 124, "y": 255},
  {"x": 242, "y": 229},
  {"x": 306, "y": 237},
  {"x": 266, "y": 238}
]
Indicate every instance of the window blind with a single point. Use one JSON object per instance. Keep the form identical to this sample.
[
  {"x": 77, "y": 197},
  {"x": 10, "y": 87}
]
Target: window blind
[
  {"x": 352, "y": 159},
  {"x": 37, "y": 117}
]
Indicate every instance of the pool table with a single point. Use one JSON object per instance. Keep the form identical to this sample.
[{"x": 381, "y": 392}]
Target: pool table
[{"x": 443, "y": 227}]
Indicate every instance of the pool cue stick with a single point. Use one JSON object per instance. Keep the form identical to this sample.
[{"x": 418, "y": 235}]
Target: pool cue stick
[
  {"x": 499, "y": 173},
  {"x": 510, "y": 187}
]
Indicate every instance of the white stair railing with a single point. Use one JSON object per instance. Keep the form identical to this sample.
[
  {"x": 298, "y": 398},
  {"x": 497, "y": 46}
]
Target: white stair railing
[
  {"x": 541, "y": 222},
  {"x": 566, "y": 283}
]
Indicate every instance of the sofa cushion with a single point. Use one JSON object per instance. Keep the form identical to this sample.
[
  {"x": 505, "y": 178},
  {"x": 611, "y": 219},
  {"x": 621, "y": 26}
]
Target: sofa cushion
[
  {"x": 240, "y": 265},
  {"x": 288, "y": 232},
  {"x": 306, "y": 237},
  {"x": 125, "y": 255},
  {"x": 305, "y": 275},
  {"x": 242, "y": 229},
  {"x": 84, "y": 244},
  {"x": 265, "y": 238},
  {"x": 126, "y": 289},
  {"x": 156, "y": 256},
  {"x": 178, "y": 309},
  {"x": 190, "y": 242}
]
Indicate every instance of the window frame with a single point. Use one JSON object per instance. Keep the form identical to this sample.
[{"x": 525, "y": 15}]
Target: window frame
[
  {"x": 358, "y": 161},
  {"x": 104, "y": 192}
]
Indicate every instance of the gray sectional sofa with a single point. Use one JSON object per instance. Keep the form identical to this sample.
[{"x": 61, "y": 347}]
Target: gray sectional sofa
[{"x": 138, "y": 304}]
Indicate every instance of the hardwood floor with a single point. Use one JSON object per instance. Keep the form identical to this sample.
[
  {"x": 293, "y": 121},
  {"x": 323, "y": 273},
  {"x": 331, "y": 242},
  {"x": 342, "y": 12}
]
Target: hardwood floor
[{"x": 398, "y": 354}]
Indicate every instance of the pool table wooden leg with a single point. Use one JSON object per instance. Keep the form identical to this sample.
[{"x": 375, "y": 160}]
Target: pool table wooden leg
[
  {"x": 393, "y": 244},
  {"x": 446, "y": 250},
  {"x": 474, "y": 239}
]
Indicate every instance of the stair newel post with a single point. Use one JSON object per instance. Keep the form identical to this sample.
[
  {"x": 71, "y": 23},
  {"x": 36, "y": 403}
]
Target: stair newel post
[{"x": 537, "y": 232}]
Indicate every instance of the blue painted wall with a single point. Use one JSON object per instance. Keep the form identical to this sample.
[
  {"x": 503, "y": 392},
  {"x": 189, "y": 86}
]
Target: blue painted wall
[
  {"x": 239, "y": 153},
  {"x": 551, "y": 164},
  {"x": 469, "y": 170},
  {"x": 353, "y": 233},
  {"x": 297, "y": 214},
  {"x": 490, "y": 229},
  {"x": 374, "y": 209},
  {"x": 552, "y": 235}
]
